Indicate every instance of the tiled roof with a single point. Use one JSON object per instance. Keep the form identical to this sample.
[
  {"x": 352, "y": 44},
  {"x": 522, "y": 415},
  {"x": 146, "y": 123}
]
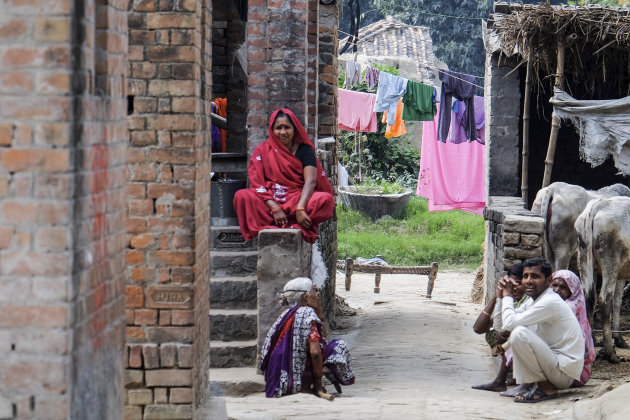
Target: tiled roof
[{"x": 392, "y": 38}]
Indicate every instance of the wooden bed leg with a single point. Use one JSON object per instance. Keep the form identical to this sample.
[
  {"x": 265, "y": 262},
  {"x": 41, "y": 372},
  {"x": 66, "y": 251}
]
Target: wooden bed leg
[
  {"x": 349, "y": 266},
  {"x": 377, "y": 283},
  {"x": 432, "y": 276}
]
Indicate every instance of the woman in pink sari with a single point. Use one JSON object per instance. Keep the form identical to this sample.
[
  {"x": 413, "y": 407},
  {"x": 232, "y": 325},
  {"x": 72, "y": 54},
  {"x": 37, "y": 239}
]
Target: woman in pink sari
[
  {"x": 568, "y": 285},
  {"x": 288, "y": 187}
]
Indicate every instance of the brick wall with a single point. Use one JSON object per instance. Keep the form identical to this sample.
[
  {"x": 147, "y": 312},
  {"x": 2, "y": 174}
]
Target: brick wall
[
  {"x": 62, "y": 178},
  {"x": 276, "y": 76},
  {"x": 167, "y": 280},
  {"x": 513, "y": 234}
]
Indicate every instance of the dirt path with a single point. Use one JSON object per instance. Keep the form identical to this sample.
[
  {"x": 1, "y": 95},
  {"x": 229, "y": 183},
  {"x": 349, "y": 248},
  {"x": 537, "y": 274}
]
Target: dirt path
[{"x": 414, "y": 358}]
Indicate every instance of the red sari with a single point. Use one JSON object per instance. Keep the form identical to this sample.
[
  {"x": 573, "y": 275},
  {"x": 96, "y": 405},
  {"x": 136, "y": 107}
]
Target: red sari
[{"x": 276, "y": 174}]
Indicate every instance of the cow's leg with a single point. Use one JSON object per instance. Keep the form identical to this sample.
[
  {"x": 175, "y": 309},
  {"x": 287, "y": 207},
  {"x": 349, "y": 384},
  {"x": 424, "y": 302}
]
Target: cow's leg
[
  {"x": 618, "y": 338},
  {"x": 607, "y": 295}
]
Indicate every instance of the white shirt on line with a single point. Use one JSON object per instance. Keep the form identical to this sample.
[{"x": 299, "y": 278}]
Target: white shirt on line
[{"x": 554, "y": 322}]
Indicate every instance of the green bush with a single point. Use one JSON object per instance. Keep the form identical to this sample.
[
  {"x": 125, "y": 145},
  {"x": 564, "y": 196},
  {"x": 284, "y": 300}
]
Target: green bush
[{"x": 418, "y": 237}]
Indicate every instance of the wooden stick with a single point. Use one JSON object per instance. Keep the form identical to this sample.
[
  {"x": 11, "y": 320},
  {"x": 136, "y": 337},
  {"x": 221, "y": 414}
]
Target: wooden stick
[
  {"x": 525, "y": 151},
  {"x": 349, "y": 268},
  {"x": 325, "y": 396},
  {"x": 555, "y": 121}
]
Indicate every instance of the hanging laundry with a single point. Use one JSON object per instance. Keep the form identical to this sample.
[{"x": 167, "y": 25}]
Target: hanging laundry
[
  {"x": 419, "y": 102},
  {"x": 356, "y": 111},
  {"x": 457, "y": 133},
  {"x": 215, "y": 131},
  {"x": 353, "y": 74},
  {"x": 398, "y": 128},
  {"x": 451, "y": 175},
  {"x": 221, "y": 104},
  {"x": 371, "y": 77},
  {"x": 390, "y": 89},
  {"x": 462, "y": 87}
]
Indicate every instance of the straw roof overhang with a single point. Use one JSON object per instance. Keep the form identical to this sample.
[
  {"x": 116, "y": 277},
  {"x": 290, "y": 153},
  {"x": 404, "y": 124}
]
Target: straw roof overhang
[{"x": 596, "y": 36}]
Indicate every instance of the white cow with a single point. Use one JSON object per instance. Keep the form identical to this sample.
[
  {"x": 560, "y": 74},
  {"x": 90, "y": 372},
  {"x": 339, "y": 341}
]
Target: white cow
[
  {"x": 560, "y": 204},
  {"x": 603, "y": 230}
]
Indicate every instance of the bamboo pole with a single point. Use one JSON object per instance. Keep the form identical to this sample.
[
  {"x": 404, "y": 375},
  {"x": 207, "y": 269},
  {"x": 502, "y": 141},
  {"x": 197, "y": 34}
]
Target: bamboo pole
[
  {"x": 555, "y": 121},
  {"x": 525, "y": 152}
]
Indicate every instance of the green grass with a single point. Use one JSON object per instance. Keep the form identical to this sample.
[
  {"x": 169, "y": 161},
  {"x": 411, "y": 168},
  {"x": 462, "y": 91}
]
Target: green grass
[{"x": 453, "y": 239}]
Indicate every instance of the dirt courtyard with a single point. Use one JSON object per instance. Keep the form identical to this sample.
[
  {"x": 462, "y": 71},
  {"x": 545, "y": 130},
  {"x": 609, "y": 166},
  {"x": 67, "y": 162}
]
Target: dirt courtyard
[{"x": 416, "y": 358}]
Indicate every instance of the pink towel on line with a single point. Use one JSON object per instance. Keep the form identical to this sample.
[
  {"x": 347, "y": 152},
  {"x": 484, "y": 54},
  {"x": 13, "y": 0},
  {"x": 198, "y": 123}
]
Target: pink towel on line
[
  {"x": 356, "y": 111},
  {"x": 451, "y": 175}
]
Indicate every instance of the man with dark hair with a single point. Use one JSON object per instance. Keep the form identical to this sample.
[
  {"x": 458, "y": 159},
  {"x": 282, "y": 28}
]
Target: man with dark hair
[{"x": 546, "y": 339}]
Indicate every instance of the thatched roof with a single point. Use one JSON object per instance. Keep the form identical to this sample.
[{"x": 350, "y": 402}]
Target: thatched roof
[
  {"x": 597, "y": 38},
  {"x": 392, "y": 38}
]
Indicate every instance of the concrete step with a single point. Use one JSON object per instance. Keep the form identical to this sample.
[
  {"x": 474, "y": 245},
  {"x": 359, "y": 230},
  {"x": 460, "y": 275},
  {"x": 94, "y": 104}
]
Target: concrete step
[
  {"x": 233, "y": 292},
  {"x": 233, "y": 263},
  {"x": 229, "y": 237},
  {"x": 236, "y": 382},
  {"x": 233, "y": 324},
  {"x": 228, "y": 354}
]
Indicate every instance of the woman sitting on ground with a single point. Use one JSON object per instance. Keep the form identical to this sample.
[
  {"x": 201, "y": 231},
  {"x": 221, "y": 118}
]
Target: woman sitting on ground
[
  {"x": 568, "y": 285},
  {"x": 295, "y": 354},
  {"x": 288, "y": 187},
  {"x": 497, "y": 339}
]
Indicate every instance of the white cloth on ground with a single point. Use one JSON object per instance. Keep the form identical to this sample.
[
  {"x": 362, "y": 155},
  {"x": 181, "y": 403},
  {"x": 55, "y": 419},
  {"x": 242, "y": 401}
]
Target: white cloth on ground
[{"x": 555, "y": 323}]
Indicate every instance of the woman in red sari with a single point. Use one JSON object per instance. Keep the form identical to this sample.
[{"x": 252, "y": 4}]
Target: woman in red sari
[{"x": 287, "y": 186}]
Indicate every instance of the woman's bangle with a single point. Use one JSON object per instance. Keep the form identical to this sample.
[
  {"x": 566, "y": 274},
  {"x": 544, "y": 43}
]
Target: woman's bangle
[
  {"x": 276, "y": 210},
  {"x": 300, "y": 208},
  {"x": 484, "y": 312}
]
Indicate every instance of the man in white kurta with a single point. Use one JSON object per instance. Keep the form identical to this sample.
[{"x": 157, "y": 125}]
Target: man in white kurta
[{"x": 546, "y": 339}]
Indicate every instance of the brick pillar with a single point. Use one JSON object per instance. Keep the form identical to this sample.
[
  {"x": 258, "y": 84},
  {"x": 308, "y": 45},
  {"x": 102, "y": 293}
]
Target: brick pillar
[
  {"x": 312, "y": 70},
  {"x": 503, "y": 115},
  {"x": 62, "y": 185},
  {"x": 277, "y": 62},
  {"x": 328, "y": 70},
  {"x": 167, "y": 281}
]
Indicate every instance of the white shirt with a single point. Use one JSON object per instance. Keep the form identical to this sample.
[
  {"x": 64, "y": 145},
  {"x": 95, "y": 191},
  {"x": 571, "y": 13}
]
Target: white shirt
[{"x": 555, "y": 323}]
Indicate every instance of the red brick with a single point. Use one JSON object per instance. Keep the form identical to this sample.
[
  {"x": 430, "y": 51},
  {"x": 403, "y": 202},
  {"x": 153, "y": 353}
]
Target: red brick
[
  {"x": 172, "y": 122},
  {"x": 19, "y": 212},
  {"x": 174, "y": 257},
  {"x": 136, "y": 190},
  {"x": 49, "y": 29},
  {"x": 6, "y": 236},
  {"x": 4, "y": 186},
  {"x": 185, "y": 105},
  {"x": 135, "y": 155},
  {"x": 144, "y": 5},
  {"x": 142, "y": 274},
  {"x": 171, "y": 54},
  {"x": 164, "y": 190},
  {"x": 180, "y": 395},
  {"x": 180, "y": 317},
  {"x": 135, "y": 225},
  {"x": 17, "y": 82},
  {"x": 33, "y": 316},
  {"x": 142, "y": 138},
  {"x": 142, "y": 241},
  {"x": 145, "y": 317},
  {"x": 129, "y": 315},
  {"x": 168, "y": 377},
  {"x": 135, "y": 356},
  {"x": 6, "y": 134},
  {"x": 165, "y": 318},
  {"x": 151, "y": 356},
  {"x": 52, "y": 239},
  {"x": 18, "y": 160},
  {"x": 135, "y": 332},
  {"x": 134, "y": 257},
  {"x": 13, "y": 29},
  {"x": 171, "y": 20},
  {"x": 143, "y": 173},
  {"x": 134, "y": 296}
]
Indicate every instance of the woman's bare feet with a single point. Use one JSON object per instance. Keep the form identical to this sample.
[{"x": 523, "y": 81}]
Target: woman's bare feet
[
  {"x": 519, "y": 390},
  {"x": 492, "y": 386}
]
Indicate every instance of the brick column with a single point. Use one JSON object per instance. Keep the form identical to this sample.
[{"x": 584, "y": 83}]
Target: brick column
[
  {"x": 277, "y": 62},
  {"x": 62, "y": 178},
  {"x": 168, "y": 209}
]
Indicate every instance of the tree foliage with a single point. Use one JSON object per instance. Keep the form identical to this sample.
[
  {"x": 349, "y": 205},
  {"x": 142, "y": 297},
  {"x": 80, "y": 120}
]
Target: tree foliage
[{"x": 455, "y": 25}]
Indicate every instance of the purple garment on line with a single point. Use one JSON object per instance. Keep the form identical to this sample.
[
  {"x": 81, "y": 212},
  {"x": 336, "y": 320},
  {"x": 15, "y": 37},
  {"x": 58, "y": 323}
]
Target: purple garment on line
[
  {"x": 371, "y": 77},
  {"x": 215, "y": 132},
  {"x": 462, "y": 87},
  {"x": 285, "y": 353},
  {"x": 458, "y": 122}
]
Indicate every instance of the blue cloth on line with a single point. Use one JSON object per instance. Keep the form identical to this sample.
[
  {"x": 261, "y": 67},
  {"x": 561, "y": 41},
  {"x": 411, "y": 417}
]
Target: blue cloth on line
[{"x": 390, "y": 89}]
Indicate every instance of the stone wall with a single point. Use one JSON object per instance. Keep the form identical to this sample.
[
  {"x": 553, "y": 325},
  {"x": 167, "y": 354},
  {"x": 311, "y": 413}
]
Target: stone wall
[
  {"x": 503, "y": 135},
  {"x": 62, "y": 186},
  {"x": 168, "y": 204},
  {"x": 513, "y": 234}
]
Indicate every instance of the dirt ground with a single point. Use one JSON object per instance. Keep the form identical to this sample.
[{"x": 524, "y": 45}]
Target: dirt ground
[{"x": 416, "y": 358}]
